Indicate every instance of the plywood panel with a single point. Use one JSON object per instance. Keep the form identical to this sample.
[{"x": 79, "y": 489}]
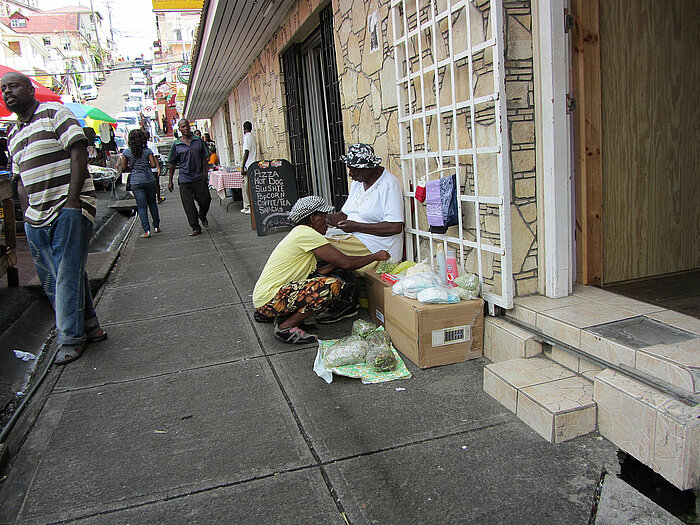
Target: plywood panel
[{"x": 650, "y": 77}]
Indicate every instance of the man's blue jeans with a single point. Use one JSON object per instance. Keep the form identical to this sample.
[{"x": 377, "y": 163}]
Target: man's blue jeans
[{"x": 60, "y": 253}]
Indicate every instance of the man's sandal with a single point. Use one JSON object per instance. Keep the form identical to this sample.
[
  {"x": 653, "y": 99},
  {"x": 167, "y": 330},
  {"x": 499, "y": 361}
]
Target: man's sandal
[
  {"x": 68, "y": 353},
  {"x": 95, "y": 335}
]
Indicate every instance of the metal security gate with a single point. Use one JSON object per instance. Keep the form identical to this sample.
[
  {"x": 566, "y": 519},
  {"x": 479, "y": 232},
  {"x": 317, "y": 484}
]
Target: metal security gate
[
  {"x": 295, "y": 121},
  {"x": 452, "y": 120}
]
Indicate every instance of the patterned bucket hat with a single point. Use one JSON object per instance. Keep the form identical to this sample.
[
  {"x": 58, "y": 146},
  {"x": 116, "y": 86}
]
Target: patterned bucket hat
[
  {"x": 306, "y": 206},
  {"x": 361, "y": 156}
]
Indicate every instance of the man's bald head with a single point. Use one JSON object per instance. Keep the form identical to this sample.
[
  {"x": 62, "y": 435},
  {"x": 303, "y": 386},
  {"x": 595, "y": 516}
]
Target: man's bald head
[{"x": 17, "y": 93}]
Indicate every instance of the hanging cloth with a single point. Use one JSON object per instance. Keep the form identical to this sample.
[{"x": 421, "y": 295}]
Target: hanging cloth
[
  {"x": 433, "y": 203},
  {"x": 446, "y": 206}
]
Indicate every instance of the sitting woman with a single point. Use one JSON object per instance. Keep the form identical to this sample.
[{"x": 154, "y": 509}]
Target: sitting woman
[
  {"x": 372, "y": 216},
  {"x": 286, "y": 286}
]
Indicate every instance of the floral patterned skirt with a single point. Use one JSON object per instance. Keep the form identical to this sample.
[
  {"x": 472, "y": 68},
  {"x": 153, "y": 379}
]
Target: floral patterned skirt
[{"x": 310, "y": 295}]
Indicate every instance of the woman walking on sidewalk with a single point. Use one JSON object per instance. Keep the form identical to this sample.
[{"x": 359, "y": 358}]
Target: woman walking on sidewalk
[{"x": 139, "y": 160}]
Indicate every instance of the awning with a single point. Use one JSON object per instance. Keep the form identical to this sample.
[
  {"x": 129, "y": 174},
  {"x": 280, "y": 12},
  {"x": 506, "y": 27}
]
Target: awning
[{"x": 231, "y": 36}]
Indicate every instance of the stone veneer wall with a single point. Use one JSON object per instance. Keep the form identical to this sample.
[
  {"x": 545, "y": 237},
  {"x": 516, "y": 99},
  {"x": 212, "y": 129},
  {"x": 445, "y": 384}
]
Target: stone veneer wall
[
  {"x": 370, "y": 112},
  {"x": 369, "y": 104}
]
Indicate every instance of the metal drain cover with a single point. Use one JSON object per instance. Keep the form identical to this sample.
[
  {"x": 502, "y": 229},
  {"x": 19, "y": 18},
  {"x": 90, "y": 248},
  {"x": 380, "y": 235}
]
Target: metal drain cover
[{"x": 640, "y": 332}]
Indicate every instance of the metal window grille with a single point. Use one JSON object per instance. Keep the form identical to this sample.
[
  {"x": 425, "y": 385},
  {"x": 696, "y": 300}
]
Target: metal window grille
[{"x": 452, "y": 120}]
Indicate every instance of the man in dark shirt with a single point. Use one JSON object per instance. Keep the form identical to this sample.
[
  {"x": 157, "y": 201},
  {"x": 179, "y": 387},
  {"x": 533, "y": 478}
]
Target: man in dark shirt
[{"x": 190, "y": 155}]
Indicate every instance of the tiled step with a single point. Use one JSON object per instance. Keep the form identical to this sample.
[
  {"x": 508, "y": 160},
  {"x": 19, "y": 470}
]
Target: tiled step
[
  {"x": 548, "y": 397},
  {"x": 584, "y": 319},
  {"x": 504, "y": 341},
  {"x": 655, "y": 428}
]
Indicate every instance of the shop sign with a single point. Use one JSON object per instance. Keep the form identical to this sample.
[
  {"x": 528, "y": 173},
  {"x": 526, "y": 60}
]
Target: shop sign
[
  {"x": 177, "y": 5},
  {"x": 183, "y": 73}
]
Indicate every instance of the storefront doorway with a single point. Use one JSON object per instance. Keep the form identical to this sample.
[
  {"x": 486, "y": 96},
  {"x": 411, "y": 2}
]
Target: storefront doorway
[{"x": 635, "y": 72}]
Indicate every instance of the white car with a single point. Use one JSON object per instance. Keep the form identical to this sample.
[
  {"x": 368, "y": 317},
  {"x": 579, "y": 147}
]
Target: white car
[
  {"x": 132, "y": 106},
  {"x": 129, "y": 120},
  {"x": 88, "y": 91}
]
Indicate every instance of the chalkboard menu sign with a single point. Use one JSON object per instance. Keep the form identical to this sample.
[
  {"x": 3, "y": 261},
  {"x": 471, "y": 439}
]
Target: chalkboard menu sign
[{"x": 273, "y": 192}]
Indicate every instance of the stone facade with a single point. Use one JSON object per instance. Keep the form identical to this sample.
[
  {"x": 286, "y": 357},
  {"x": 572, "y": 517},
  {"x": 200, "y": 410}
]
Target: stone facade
[{"x": 370, "y": 108}]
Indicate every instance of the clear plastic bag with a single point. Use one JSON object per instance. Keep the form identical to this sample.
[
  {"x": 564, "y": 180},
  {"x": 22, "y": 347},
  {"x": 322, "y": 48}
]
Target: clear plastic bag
[
  {"x": 346, "y": 351},
  {"x": 420, "y": 281},
  {"x": 421, "y": 267},
  {"x": 438, "y": 295},
  {"x": 378, "y": 338},
  {"x": 381, "y": 359},
  {"x": 470, "y": 284},
  {"x": 363, "y": 328}
]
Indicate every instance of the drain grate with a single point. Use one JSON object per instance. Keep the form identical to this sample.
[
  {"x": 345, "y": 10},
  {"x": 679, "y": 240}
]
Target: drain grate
[{"x": 640, "y": 332}]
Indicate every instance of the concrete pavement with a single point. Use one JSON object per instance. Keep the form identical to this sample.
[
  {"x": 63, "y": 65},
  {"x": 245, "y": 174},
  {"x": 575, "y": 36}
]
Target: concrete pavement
[{"x": 193, "y": 413}]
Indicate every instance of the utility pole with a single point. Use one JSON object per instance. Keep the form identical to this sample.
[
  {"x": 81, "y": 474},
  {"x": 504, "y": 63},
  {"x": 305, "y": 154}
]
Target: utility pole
[
  {"x": 111, "y": 28},
  {"x": 97, "y": 33}
]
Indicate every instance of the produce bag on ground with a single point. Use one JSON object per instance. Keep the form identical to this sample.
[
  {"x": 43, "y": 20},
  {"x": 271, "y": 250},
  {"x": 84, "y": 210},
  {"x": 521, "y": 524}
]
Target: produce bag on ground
[
  {"x": 361, "y": 370},
  {"x": 346, "y": 351},
  {"x": 363, "y": 328}
]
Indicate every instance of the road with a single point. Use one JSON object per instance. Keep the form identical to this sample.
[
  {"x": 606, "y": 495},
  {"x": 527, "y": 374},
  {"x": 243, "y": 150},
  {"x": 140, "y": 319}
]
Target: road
[{"x": 112, "y": 94}]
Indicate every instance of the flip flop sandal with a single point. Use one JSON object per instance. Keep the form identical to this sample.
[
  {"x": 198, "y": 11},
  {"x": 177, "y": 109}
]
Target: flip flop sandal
[
  {"x": 69, "y": 353},
  {"x": 95, "y": 335}
]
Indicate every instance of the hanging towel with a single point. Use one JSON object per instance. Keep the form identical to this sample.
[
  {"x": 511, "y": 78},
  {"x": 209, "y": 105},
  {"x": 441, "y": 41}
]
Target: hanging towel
[
  {"x": 420, "y": 189},
  {"x": 433, "y": 203},
  {"x": 448, "y": 195}
]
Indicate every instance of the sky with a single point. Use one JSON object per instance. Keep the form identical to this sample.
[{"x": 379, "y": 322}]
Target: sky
[{"x": 133, "y": 22}]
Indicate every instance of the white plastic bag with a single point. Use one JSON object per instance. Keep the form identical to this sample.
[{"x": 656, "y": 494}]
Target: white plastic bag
[
  {"x": 438, "y": 295},
  {"x": 420, "y": 281}
]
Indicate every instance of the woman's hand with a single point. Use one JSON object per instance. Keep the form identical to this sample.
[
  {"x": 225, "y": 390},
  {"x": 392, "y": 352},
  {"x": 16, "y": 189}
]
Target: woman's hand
[
  {"x": 382, "y": 255},
  {"x": 348, "y": 226}
]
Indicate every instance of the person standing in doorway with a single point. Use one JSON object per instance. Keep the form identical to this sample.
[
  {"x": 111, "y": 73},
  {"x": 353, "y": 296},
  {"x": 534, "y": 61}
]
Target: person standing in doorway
[
  {"x": 250, "y": 155},
  {"x": 191, "y": 156},
  {"x": 49, "y": 155}
]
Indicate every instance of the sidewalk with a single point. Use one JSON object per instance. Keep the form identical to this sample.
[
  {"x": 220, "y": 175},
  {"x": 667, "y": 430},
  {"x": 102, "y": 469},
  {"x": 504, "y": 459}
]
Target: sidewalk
[{"x": 192, "y": 412}]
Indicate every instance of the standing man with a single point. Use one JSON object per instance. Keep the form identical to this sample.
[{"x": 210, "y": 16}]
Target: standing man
[
  {"x": 250, "y": 155},
  {"x": 192, "y": 158},
  {"x": 49, "y": 154}
]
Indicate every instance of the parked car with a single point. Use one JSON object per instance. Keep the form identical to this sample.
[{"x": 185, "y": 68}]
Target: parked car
[
  {"x": 128, "y": 118},
  {"x": 88, "y": 91},
  {"x": 133, "y": 106}
]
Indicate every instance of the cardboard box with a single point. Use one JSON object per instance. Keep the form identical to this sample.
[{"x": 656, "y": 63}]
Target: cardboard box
[
  {"x": 435, "y": 334},
  {"x": 376, "y": 288}
]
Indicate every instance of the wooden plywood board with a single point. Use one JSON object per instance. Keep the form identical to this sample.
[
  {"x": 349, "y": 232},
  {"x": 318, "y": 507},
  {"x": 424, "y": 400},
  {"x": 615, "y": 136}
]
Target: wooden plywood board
[
  {"x": 650, "y": 71},
  {"x": 587, "y": 137}
]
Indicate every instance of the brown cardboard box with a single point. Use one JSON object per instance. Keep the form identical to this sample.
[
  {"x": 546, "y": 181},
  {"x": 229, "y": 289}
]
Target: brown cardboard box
[
  {"x": 435, "y": 334},
  {"x": 376, "y": 288}
]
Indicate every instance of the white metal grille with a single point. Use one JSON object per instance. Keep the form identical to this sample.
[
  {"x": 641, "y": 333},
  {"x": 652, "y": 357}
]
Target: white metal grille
[{"x": 452, "y": 119}]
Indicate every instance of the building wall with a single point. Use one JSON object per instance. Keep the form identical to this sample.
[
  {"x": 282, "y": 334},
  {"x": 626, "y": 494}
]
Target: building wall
[{"x": 369, "y": 104}]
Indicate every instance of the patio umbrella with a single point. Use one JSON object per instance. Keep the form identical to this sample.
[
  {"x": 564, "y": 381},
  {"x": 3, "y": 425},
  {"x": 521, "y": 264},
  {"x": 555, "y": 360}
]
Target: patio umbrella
[
  {"x": 91, "y": 116},
  {"x": 42, "y": 93}
]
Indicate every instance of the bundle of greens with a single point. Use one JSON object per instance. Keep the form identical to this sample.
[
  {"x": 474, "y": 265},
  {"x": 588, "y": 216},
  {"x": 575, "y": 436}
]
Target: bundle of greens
[
  {"x": 346, "y": 351},
  {"x": 363, "y": 328}
]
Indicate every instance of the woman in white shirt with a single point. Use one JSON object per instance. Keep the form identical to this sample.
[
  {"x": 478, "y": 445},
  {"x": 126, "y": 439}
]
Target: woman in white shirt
[{"x": 372, "y": 215}]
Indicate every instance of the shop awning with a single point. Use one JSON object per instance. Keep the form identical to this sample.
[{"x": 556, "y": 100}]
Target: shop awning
[{"x": 231, "y": 35}]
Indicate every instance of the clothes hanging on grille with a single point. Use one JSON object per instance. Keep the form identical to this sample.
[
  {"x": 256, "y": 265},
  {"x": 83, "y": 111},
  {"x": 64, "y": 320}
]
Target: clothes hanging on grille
[
  {"x": 433, "y": 204},
  {"x": 448, "y": 207}
]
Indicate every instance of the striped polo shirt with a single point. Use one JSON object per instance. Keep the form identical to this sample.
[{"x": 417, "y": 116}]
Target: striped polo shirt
[{"x": 40, "y": 150}]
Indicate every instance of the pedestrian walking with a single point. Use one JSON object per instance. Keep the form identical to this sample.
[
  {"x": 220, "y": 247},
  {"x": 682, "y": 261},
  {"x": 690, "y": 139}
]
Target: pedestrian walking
[
  {"x": 190, "y": 155},
  {"x": 250, "y": 155},
  {"x": 57, "y": 195},
  {"x": 139, "y": 160},
  {"x": 156, "y": 171}
]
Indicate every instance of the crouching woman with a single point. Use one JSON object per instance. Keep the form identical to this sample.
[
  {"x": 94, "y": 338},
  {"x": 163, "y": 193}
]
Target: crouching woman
[{"x": 290, "y": 287}]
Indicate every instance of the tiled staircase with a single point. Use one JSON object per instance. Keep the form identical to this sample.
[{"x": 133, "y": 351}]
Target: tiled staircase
[{"x": 561, "y": 393}]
